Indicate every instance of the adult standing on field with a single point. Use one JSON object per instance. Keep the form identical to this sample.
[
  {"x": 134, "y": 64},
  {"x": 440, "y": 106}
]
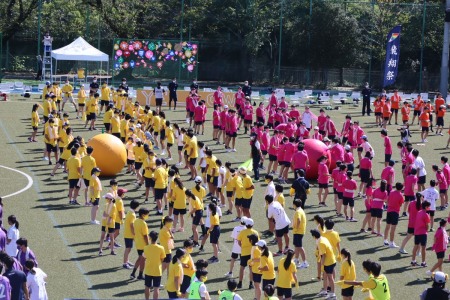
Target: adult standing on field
[
  {"x": 247, "y": 89},
  {"x": 366, "y": 93},
  {"x": 173, "y": 86}
]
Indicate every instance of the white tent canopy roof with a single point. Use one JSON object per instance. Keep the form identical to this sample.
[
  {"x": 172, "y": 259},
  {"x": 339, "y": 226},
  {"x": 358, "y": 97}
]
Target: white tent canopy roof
[{"x": 79, "y": 50}]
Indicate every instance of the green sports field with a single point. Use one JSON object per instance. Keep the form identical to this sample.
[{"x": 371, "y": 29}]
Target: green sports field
[{"x": 66, "y": 244}]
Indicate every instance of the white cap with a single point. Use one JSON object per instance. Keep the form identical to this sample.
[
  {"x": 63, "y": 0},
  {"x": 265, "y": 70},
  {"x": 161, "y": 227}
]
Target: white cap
[
  {"x": 440, "y": 277},
  {"x": 364, "y": 137},
  {"x": 109, "y": 196},
  {"x": 249, "y": 222},
  {"x": 347, "y": 147},
  {"x": 225, "y": 106},
  {"x": 138, "y": 125},
  {"x": 244, "y": 219},
  {"x": 243, "y": 170},
  {"x": 261, "y": 243},
  {"x": 198, "y": 179},
  {"x": 316, "y": 128}
]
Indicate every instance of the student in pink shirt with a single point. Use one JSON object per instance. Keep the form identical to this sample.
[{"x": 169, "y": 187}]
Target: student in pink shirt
[
  {"x": 218, "y": 97},
  {"x": 283, "y": 103},
  {"x": 278, "y": 118},
  {"x": 265, "y": 140},
  {"x": 348, "y": 158},
  {"x": 300, "y": 159},
  {"x": 224, "y": 127},
  {"x": 295, "y": 114},
  {"x": 280, "y": 156},
  {"x": 349, "y": 187},
  {"x": 439, "y": 246},
  {"x": 334, "y": 177},
  {"x": 388, "y": 174},
  {"x": 368, "y": 203},
  {"x": 445, "y": 168},
  {"x": 261, "y": 113},
  {"x": 394, "y": 203},
  {"x": 410, "y": 189},
  {"x": 316, "y": 135},
  {"x": 330, "y": 128},
  {"x": 380, "y": 196},
  {"x": 216, "y": 123},
  {"x": 346, "y": 128},
  {"x": 443, "y": 187},
  {"x": 414, "y": 207},
  {"x": 248, "y": 115},
  {"x": 387, "y": 147},
  {"x": 273, "y": 100},
  {"x": 239, "y": 99},
  {"x": 323, "y": 179},
  {"x": 321, "y": 121},
  {"x": 271, "y": 119},
  {"x": 199, "y": 116},
  {"x": 291, "y": 127},
  {"x": 273, "y": 151},
  {"x": 233, "y": 128},
  {"x": 188, "y": 107},
  {"x": 336, "y": 149},
  {"x": 341, "y": 178},
  {"x": 365, "y": 172},
  {"x": 421, "y": 233},
  {"x": 302, "y": 132},
  {"x": 289, "y": 150}
]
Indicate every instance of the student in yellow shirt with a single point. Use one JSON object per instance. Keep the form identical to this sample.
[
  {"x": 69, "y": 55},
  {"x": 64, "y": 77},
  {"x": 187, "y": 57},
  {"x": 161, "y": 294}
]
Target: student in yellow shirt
[
  {"x": 87, "y": 164},
  {"x": 175, "y": 274},
  {"x": 115, "y": 123},
  {"x": 124, "y": 127},
  {"x": 192, "y": 153},
  {"x": 188, "y": 267},
  {"x": 108, "y": 218},
  {"x": 109, "y": 112},
  {"x": 149, "y": 167},
  {"x": 141, "y": 239},
  {"x": 58, "y": 93},
  {"x": 106, "y": 96},
  {"x": 286, "y": 276},
  {"x": 299, "y": 230},
  {"x": 68, "y": 143},
  {"x": 213, "y": 233},
  {"x": 229, "y": 186},
  {"x": 246, "y": 249},
  {"x": 212, "y": 171},
  {"x": 333, "y": 237},
  {"x": 348, "y": 273},
  {"x": 67, "y": 91},
  {"x": 196, "y": 212},
  {"x": 177, "y": 193},
  {"x": 170, "y": 139},
  {"x": 130, "y": 155},
  {"x": 156, "y": 127},
  {"x": 139, "y": 156},
  {"x": 73, "y": 176},
  {"x": 279, "y": 194},
  {"x": 154, "y": 255},
  {"x": 128, "y": 233},
  {"x": 253, "y": 263},
  {"x": 328, "y": 261},
  {"x": 50, "y": 139},
  {"x": 266, "y": 265},
  {"x": 162, "y": 131},
  {"x": 166, "y": 240},
  {"x": 34, "y": 122},
  {"x": 120, "y": 213},
  {"x": 95, "y": 188},
  {"x": 160, "y": 178},
  {"x": 247, "y": 191},
  {"x": 81, "y": 101},
  {"x": 92, "y": 110}
]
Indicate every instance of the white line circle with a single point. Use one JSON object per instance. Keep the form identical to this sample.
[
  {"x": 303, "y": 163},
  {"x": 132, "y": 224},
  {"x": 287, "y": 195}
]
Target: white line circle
[{"x": 30, "y": 182}]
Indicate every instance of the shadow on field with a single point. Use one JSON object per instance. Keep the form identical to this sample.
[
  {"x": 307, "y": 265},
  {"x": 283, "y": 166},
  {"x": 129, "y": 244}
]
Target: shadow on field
[
  {"x": 79, "y": 258},
  {"x": 83, "y": 244},
  {"x": 392, "y": 257},
  {"x": 418, "y": 282},
  {"x": 71, "y": 225},
  {"x": 117, "y": 284},
  {"x": 370, "y": 250},
  {"x": 103, "y": 271},
  {"x": 13, "y": 143},
  {"x": 52, "y": 199},
  {"x": 397, "y": 270},
  {"x": 54, "y": 191},
  {"x": 57, "y": 207}
]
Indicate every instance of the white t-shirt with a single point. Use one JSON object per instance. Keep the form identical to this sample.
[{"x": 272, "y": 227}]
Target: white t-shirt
[
  {"x": 179, "y": 137},
  {"x": 368, "y": 148},
  {"x": 13, "y": 235},
  {"x": 431, "y": 195},
  {"x": 236, "y": 248},
  {"x": 208, "y": 216},
  {"x": 158, "y": 92},
  {"x": 222, "y": 171},
  {"x": 276, "y": 211},
  {"x": 36, "y": 285},
  {"x": 419, "y": 164},
  {"x": 201, "y": 290},
  {"x": 307, "y": 119},
  {"x": 202, "y": 157},
  {"x": 270, "y": 190}
]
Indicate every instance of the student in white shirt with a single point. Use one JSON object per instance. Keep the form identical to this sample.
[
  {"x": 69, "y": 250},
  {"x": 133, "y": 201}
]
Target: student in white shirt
[
  {"x": 236, "y": 250},
  {"x": 276, "y": 212},
  {"x": 419, "y": 165},
  {"x": 431, "y": 195}
]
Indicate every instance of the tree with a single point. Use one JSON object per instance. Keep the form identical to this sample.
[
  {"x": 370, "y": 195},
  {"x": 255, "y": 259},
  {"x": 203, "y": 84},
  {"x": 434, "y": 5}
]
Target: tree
[{"x": 14, "y": 14}]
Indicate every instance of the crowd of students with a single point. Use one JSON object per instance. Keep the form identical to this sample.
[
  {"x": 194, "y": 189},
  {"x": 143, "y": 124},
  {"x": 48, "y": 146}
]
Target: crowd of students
[{"x": 276, "y": 136}]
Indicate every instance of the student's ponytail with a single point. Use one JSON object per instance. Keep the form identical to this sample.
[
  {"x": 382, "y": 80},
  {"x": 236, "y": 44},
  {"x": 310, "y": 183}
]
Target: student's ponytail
[
  {"x": 288, "y": 260},
  {"x": 347, "y": 254}
]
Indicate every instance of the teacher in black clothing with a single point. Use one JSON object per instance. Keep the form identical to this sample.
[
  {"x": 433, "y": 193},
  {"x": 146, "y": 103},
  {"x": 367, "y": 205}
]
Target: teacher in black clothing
[
  {"x": 366, "y": 93},
  {"x": 247, "y": 89},
  {"x": 173, "y": 86}
]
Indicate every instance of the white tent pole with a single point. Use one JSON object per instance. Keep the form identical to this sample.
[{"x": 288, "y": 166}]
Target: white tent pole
[{"x": 56, "y": 68}]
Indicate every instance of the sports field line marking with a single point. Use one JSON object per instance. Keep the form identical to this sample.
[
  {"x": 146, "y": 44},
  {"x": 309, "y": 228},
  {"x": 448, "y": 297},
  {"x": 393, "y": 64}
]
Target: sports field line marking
[
  {"x": 30, "y": 181},
  {"x": 51, "y": 216}
]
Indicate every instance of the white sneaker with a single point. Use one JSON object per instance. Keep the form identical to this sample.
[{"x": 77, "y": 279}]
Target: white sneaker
[
  {"x": 425, "y": 140},
  {"x": 322, "y": 293},
  {"x": 45, "y": 158},
  {"x": 393, "y": 245},
  {"x": 169, "y": 158},
  {"x": 402, "y": 251},
  {"x": 163, "y": 152},
  {"x": 428, "y": 273},
  {"x": 234, "y": 150},
  {"x": 304, "y": 265},
  {"x": 178, "y": 164},
  {"x": 95, "y": 222},
  {"x": 229, "y": 275},
  {"x": 386, "y": 242},
  {"x": 331, "y": 296},
  {"x": 229, "y": 150}
]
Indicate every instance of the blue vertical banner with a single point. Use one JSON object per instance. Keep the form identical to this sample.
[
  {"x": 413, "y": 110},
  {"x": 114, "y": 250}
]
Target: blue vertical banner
[{"x": 392, "y": 56}]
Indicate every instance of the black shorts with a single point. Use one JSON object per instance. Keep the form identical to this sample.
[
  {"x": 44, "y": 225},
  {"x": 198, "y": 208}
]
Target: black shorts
[
  {"x": 257, "y": 278},
  {"x": 246, "y": 203},
  {"x": 168, "y": 258},
  {"x": 86, "y": 182},
  {"x": 323, "y": 185},
  {"x": 232, "y": 134},
  {"x": 159, "y": 193},
  {"x": 50, "y": 147},
  {"x": 130, "y": 162},
  {"x": 191, "y": 114},
  {"x": 410, "y": 230},
  {"x": 140, "y": 252},
  {"x": 244, "y": 260},
  {"x": 264, "y": 152},
  {"x": 203, "y": 169},
  {"x": 34, "y": 128},
  {"x": 287, "y": 163},
  {"x": 95, "y": 201},
  {"x": 440, "y": 121},
  {"x": 81, "y": 104},
  {"x": 416, "y": 113},
  {"x": 159, "y": 101},
  {"x": 431, "y": 213},
  {"x": 347, "y": 292},
  {"x": 364, "y": 174},
  {"x": 394, "y": 110},
  {"x": 386, "y": 118},
  {"x": 152, "y": 281},
  {"x": 420, "y": 239},
  {"x": 440, "y": 255},
  {"x": 238, "y": 202},
  {"x": 192, "y": 161},
  {"x": 179, "y": 211},
  {"x": 180, "y": 148},
  {"x": 282, "y": 231},
  {"x": 425, "y": 129},
  {"x": 215, "y": 180},
  {"x": 378, "y": 113},
  {"x": 260, "y": 119},
  {"x": 268, "y": 281},
  {"x": 387, "y": 157},
  {"x": 172, "y": 295},
  {"x": 116, "y": 134},
  {"x": 443, "y": 191},
  {"x": 376, "y": 213},
  {"x": 197, "y": 217},
  {"x": 61, "y": 160},
  {"x": 185, "y": 284},
  {"x": 340, "y": 195},
  {"x": 104, "y": 102},
  {"x": 216, "y": 126},
  {"x": 214, "y": 235},
  {"x": 198, "y": 122},
  {"x": 92, "y": 116},
  {"x": 298, "y": 240},
  {"x": 272, "y": 157},
  {"x": 234, "y": 255},
  {"x": 169, "y": 145},
  {"x": 284, "y": 293},
  {"x": 170, "y": 204},
  {"x": 422, "y": 179},
  {"x": 107, "y": 126},
  {"x": 137, "y": 165},
  {"x": 392, "y": 218},
  {"x": 163, "y": 135},
  {"x": 348, "y": 201},
  {"x": 410, "y": 198},
  {"x": 108, "y": 230},
  {"x": 359, "y": 149},
  {"x": 248, "y": 122},
  {"x": 149, "y": 182},
  {"x": 73, "y": 183},
  {"x": 128, "y": 243},
  {"x": 329, "y": 269},
  {"x": 155, "y": 133}
]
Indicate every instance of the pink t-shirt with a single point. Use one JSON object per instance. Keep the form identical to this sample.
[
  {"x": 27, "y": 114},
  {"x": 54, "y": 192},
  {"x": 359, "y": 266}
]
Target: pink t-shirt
[
  {"x": 365, "y": 163},
  {"x": 440, "y": 177},
  {"x": 440, "y": 240},
  {"x": 233, "y": 123},
  {"x": 388, "y": 174},
  {"x": 323, "y": 173},
  {"x": 272, "y": 113},
  {"x": 289, "y": 150},
  {"x": 368, "y": 201},
  {"x": 421, "y": 224},
  {"x": 410, "y": 185},
  {"x": 387, "y": 145},
  {"x": 412, "y": 213},
  {"x": 261, "y": 112},
  {"x": 295, "y": 114},
  {"x": 342, "y": 177},
  {"x": 350, "y": 187},
  {"x": 317, "y": 136},
  {"x": 321, "y": 120},
  {"x": 302, "y": 133},
  {"x": 334, "y": 176},
  {"x": 446, "y": 171},
  {"x": 348, "y": 158},
  {"x": 299, "y": 160},
  {"x": 223, "y": 119},
  {"x": 248, "y": 112},
  {"x": 280, "y": 153},
  {"x": 239, "y": 96},
  {"x": 378, "y": 198},
  {"x": 395, "y": 201},
  {"x": 265, "y": 140},
  {"x": 337, "y": 152},
  {"x": 216, "y": 118},
  {"x": 273, "y": 100},
  {"x": 283, "y": 104},
  {"x": 218, "y": 96},
  {"x": 189, "y": 103},
  {"x": 198, "y": 113},
  {"x": 290, "y": 129},
  {"x": 274, "y": 145}
]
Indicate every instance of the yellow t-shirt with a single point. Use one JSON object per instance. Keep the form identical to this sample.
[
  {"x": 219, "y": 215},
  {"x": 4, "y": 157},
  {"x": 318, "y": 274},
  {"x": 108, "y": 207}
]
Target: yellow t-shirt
[
  {"x": 130, "y": 154},
  {"x": 73, "y": 167},
  {"x": 333, "y": 237},
  {"x": 140, "y": 230},
  {"x": 149, "y": 165},
  {"x": 348, "y": 273},
  {"x": 230, "y": 182},
  {"x": 115, "y": 124},
  {"x": 35, "y": 119},
  {"x": 285, "y": 278},
  {"x": 109, "y": 215},
  {"x": 255, "y": 259},
  {"x": 281, "y": 199},
  {"x": 108, "y": 116},
  {"x": 299, "y": 223},
  {"x": 237, "y": 182},
  {"x": 160, "y": 176},
  {"x": 95, "y": 187},
  {"x": 212, "y": 166},
  {"x": 179, "y": 197},
  {"x": 169, "y": 135},
  {"x": 156, "y": 123},
  {"x": 87, "y": 164},
  {"x": 66, "y": 152},
  {"x": 246, "y": 183},
  {"x": 246, "y": 246},
  {"x": 50, "y": 134},
  {"x": 175, "y": 270},
  {"x": 201, "y": 194},
  {"x": 139, "y": 154},
  {"x": 106, "y": 93},
  {"x": 196, "y": 204},
  {"x": 67, "y": 89},
  {"x": 190, "y": 269},
  {"x": 215, "y": 221},
  {"x": 193, "y": 148},
  {"x": 93, "y": 106},
  {"x": 81, "y": 96},
  {"x": 154, "y": 255},
  {"x": 268, "y": 261},
  {"x": 164, "y": 238},
  {"x": 326, "y": 249},
  {"x": 129, "y": 219},
  {"x": 120, "y": 209}
]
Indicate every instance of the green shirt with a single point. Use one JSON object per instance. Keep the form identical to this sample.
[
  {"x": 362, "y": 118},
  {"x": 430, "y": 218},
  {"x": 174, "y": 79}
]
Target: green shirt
[
  {"x": 226, "y": 295},
  {"x": 194, "y": 290},
  {"x": 381, "y": 291}
]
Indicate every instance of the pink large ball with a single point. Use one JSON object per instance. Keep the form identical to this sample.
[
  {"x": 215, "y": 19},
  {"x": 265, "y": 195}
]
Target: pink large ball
[{"x": 315, "y": 149}]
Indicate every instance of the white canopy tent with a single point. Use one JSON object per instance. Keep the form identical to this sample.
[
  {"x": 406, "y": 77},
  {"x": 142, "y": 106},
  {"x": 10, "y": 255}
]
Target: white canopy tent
[{"x": 80, "y": 50}]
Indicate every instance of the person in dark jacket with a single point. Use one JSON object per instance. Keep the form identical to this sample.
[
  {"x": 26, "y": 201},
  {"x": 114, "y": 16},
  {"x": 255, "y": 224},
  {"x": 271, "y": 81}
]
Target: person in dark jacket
[{"x": 366, "y": 93}]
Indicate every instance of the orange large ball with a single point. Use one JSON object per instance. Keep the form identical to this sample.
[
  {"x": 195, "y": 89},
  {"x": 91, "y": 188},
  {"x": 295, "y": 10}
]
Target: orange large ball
[
  {"x": 109, "y": 153},
  {"x": 315, "y": 149}
]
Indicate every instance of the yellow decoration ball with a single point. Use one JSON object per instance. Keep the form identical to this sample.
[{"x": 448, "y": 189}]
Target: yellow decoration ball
[{"x": 109, "y": 153}]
